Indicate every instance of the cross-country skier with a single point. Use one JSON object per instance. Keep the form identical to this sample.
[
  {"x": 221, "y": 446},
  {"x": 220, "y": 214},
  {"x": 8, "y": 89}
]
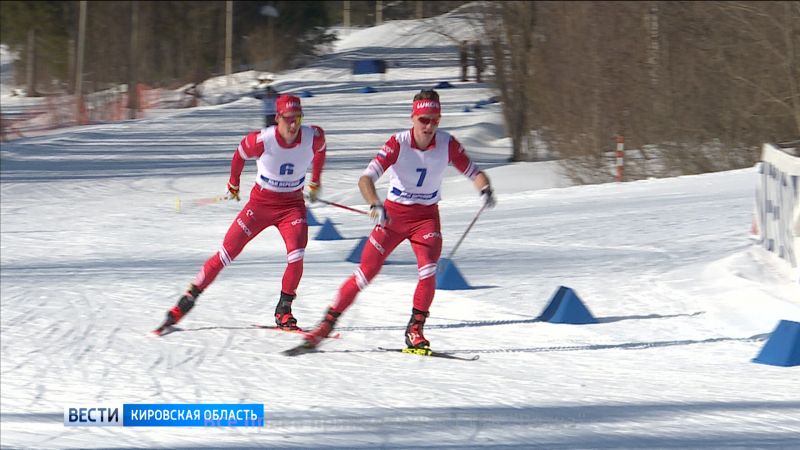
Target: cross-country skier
[
  {"x": 283, "y": 153},
  {"x": 415, "y": 160}
]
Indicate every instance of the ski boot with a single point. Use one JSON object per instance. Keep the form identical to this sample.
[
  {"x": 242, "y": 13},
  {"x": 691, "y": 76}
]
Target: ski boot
[
  {"x": 315, "y": 336},
  {"x": 414, "y": 336},
  {"x": 283, "y": 313},
  {"x": 322, "y": 331},
  {"x": 185, "y": 304}
]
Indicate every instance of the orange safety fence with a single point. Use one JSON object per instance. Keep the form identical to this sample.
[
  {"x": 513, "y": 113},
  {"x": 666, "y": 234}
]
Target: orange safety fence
[{"x": 66, "y": 111}]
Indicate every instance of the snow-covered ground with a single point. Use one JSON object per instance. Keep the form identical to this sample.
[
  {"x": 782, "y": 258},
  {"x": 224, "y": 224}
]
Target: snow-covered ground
[{"x": 95, "y": 250}]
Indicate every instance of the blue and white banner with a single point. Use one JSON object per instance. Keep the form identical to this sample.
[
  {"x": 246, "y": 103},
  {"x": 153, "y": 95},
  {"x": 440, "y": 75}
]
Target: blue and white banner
[
  {"x": 282, "y": 184},
  {"x": 166, "y": 415},
  {"x": 414, "y": 196},
  {"x": 778, "y": 204}
]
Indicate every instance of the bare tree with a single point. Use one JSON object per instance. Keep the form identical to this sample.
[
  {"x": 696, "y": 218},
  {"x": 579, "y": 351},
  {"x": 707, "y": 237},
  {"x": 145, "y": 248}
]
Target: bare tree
[
  {"x": 509, "y": 31},
  {"x": 767, "y": 33},
  {"x": 692, "y": 86}
]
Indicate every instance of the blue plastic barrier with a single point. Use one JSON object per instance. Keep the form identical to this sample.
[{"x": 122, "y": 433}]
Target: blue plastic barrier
[
  {"x": 311, "y": 220},
  {"x": 355, "y": 255},
  {"x": 782, "y": 347},
  {"x": 328, "y": 232},
  {"x": 448, "y": 277},
  {"x": 566, "y": 307},
  {"x": 369, "y": 66}
]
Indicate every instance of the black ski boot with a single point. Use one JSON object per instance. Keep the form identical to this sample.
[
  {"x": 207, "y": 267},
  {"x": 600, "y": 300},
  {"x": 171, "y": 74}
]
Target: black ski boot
[{"x": 283, "y": 312}]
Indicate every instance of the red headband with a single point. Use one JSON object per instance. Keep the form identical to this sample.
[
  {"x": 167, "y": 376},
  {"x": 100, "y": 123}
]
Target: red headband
[
  {"x": 288, "y": 104},
  {"x": 429, "y": 107}
]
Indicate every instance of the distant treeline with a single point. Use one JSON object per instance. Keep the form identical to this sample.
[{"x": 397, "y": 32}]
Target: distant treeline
[
  {"x": 693, "y": 86},
  {"x": 177, "y": 42}
]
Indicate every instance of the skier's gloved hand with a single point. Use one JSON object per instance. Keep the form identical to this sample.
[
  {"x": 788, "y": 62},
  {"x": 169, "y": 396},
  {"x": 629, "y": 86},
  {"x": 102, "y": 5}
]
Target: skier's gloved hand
[
  {"x": 313, "y": 191},
  {"x": 378, "y": 215},
  {"x": 487, "y": 196},
  {"x": 233, "y": 192}
]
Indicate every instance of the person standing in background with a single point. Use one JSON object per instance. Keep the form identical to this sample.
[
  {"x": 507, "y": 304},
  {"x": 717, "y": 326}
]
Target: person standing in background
[
  {"x": 464, "y": 57},
  {"x": 477, "y": 59},
  {"x": 269, "y": 95}
]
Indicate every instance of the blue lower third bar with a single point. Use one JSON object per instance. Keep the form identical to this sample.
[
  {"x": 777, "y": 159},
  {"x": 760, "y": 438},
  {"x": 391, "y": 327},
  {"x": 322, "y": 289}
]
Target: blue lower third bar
[{"x": 193, "y": 415}]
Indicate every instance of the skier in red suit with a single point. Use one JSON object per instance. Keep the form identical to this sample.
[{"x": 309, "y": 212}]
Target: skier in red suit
[
  {"x": 415, "y": 161},
  {"x": 284, "y": 153}
]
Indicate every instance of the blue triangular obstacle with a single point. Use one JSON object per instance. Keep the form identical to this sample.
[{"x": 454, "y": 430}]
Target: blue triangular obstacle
[
  {"x": 306, "y": 94},
  {"x": 367, "y": 90},
  {"x": 466, "y": 109},
  {"x": 448, "y": 276},
  {"x": 443, "y": 85},
  {"x": 783, "y": 346},
  {"x": 328, "y": 232},
  {"x": 311, "y": 220},
  {"x": 566, "y": 307},
  {"x": 355, "y": 255}
]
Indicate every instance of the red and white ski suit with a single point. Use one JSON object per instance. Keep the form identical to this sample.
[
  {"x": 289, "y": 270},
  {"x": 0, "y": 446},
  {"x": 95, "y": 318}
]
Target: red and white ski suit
[
  {"x": 276, "y": 199},
  {"x": 415, "y": 181}
]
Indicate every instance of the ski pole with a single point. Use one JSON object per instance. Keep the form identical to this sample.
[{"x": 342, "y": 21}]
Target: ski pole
[
  {"x": 209, "y": 200},
  {"x": 201, "y": 201},
  {"x": 461, "y": 239},
  {"x": 341, "y": 206}
]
